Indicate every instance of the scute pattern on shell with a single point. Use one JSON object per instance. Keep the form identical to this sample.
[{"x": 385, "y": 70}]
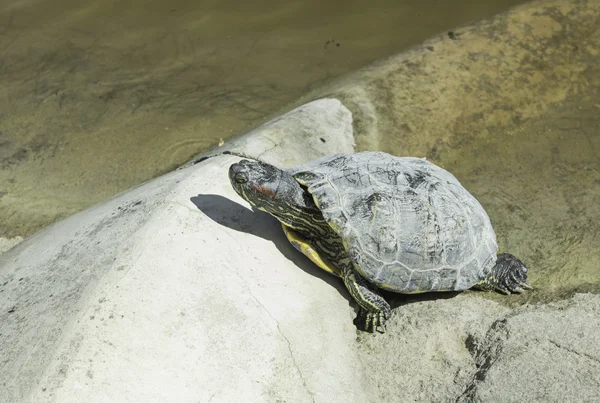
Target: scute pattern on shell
[{"x": 408, "y": 225}]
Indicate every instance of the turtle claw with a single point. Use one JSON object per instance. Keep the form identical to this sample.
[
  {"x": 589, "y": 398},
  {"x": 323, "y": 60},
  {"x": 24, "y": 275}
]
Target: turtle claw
[
  {"x": 526, "y": 286},
  {"x": 517, "y": 280},
  {"x": 503, "y": 290},
  {"x": 521, "y": 286},
  {"x": 513, "y": 284},
  {"x": 373, "y": 321}
]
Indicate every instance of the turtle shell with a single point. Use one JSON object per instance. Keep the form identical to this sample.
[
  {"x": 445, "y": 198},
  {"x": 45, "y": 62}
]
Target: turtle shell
[{"x": 408, "y": 225}]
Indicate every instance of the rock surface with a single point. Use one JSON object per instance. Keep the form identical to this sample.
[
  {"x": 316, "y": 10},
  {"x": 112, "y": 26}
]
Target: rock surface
[
  {"x": 177, "y": 291},
  {"x": 467, "y": 348},
  {"x": 7, "y": 243}
]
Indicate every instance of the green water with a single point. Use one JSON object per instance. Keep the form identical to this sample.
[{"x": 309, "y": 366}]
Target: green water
[
  {"x": 540, "y": 184},
  {"x": 97, "y": 96}
]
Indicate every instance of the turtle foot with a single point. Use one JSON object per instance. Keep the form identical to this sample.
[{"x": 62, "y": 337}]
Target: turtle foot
[
  {"x": 374, "y": 309},
  {"x": 373, "y": 321},
  {"x": 509, "y": 275}
]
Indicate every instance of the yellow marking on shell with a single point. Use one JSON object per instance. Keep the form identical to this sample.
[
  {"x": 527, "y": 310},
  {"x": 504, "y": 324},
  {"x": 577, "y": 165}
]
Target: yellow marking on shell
[
  {"x": 390, "y": 287},
  {"x": 316, "y": 201},
  {"x": 307, "y": 250},
  {"x": 418, "y": 290},
  {"x": 374, "y": 217}
]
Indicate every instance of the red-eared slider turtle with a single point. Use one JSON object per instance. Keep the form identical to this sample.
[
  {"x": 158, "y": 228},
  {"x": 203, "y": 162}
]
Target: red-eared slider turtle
[{"x": 383, "y": 222}]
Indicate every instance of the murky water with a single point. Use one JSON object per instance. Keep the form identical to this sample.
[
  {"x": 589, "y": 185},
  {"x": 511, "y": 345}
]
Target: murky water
[
  {"x": 541, "y": 186},
  {"x": 98, "y": 96}
]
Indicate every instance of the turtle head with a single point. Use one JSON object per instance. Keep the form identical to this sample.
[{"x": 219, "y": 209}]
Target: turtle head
[{"x": 269, "y": 189}]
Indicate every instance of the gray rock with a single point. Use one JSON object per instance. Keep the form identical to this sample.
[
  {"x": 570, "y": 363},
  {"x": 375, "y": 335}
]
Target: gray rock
[
  {"x": 7, "y": 243},
  {"x": 543, "y": 354},
  {"x": 467, "y": 348},
  {"x": 173, "y": 291}
]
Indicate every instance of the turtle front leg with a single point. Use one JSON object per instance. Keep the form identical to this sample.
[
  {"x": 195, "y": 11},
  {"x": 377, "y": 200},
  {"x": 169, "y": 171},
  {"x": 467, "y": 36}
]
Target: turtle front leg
[
  {"x": 508, "y": 275},
  {"x": 374, "y": 308}
]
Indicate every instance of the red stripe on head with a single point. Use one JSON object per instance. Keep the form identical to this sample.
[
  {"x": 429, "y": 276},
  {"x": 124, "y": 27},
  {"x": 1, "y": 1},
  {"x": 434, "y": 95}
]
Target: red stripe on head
[{"x": 264, "y": 190}]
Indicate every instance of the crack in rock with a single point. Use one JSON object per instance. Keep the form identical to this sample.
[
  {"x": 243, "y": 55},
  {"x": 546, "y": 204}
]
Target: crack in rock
[
  {"x": 289, "y": 345},
  {"x": 580, "y": 354},
  {"x": 485, "y": 353},
  {"x": 275, "y": 145}
]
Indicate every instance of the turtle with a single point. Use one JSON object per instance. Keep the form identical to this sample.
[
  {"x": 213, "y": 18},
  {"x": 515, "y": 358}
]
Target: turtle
[{"x": 382, "y": 222}]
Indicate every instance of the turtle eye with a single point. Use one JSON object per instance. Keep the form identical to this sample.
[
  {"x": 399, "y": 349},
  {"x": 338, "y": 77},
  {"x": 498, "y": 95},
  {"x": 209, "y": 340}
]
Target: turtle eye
[{"x": 240, "y": 178}]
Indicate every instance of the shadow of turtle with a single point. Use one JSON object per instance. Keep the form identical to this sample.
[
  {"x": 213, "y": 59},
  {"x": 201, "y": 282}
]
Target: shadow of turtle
[{"x": 230, "y": 214}]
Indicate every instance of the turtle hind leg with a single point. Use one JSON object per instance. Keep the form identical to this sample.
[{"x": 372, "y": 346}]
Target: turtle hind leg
[
  {"x": 507, "y": 276},
  {"x": 374, "y": 309}
]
